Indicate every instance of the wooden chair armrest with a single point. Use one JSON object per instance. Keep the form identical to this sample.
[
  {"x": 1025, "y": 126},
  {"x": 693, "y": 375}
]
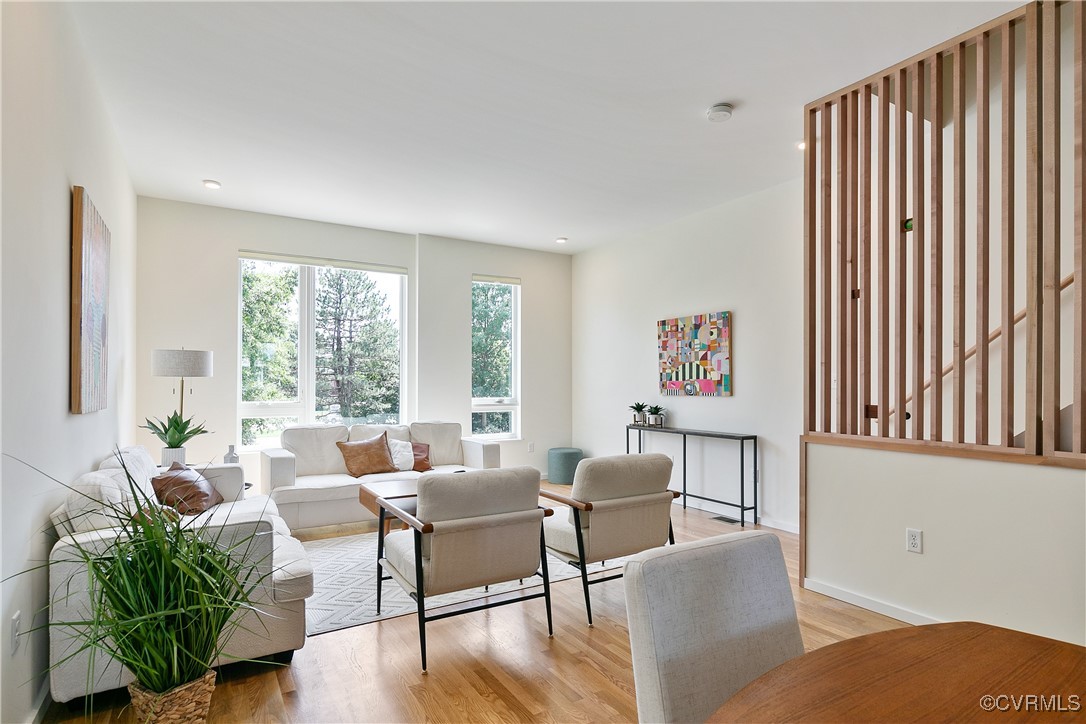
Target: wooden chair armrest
[
  {"x": 674, "y": 493},
  {"x": 547, "y": 512},
  {"x": 405, "y": 516},
  {"x": 558, "y": 497}
]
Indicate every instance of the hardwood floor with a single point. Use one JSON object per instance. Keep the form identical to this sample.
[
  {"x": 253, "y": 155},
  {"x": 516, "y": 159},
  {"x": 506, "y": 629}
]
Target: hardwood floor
[{"x": 494, "y": 665}]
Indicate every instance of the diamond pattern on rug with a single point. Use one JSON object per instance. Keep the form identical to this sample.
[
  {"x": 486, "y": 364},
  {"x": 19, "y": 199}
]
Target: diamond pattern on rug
[{"x": 345, "y": 585}]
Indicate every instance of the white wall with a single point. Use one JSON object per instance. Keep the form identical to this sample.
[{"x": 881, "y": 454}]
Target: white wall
[
  {"x": 56, "y": 134},
  {"x": 203, "y": 243},
  {"x": 1004, "y": 543},
  {"x": 745, "y": 257},
  {"x": 187, "y": 290},
  {"x": 445, "y": 270}
]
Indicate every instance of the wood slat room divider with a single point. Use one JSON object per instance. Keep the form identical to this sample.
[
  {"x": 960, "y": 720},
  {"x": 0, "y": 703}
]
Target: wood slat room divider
[{"x": 936, "y": 265}]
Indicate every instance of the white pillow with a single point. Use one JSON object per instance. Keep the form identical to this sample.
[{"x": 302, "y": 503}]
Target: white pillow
[
  {"x": 141, "y": 466},
  {"x": 403, "y": 454},
  {"x": 101, "y": 499}
]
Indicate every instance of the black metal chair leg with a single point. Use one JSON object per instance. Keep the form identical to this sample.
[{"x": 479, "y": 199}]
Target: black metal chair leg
[
  {"x": 380, "y": 551},
  {"x": 670, "y": 533},
  {"x": 546, "y": 580},
  {"x": 584, "y": 566},
  {"x": 419, "y": 596}
]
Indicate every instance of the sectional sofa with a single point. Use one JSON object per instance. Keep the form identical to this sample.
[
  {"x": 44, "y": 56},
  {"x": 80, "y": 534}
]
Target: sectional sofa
[
  {"x": 275, "y": 628},
  {"x": 309, "y": 482}
]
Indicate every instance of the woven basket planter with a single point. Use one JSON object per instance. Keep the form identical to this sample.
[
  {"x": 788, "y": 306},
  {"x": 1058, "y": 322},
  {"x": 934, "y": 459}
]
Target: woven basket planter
[{"x": 186, "y": 703}]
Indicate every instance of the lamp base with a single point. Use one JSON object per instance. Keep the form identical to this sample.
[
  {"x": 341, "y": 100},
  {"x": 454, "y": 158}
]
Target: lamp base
[{"x": 171, "y": 455}]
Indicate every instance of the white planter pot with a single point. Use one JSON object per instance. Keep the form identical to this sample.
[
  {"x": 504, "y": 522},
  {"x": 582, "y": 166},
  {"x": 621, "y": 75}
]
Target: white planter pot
[
  {"x": 655, "y": 421},
  {"x": 639, "y": 418},
  {"x": 171, "y": 455}
]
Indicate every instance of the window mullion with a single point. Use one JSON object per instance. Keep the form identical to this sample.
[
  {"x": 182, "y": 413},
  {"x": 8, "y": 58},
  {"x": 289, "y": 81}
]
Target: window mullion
[{"x": 307, "y": 343}]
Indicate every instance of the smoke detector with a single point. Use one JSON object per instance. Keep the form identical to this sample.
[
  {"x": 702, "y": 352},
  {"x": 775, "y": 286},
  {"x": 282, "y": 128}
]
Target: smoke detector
[{"x": 719, "y": 112}]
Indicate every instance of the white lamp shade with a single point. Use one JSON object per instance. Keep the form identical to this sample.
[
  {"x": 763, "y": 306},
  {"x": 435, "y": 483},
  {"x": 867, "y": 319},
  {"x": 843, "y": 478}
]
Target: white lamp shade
[{"x": 181, "y": 363}]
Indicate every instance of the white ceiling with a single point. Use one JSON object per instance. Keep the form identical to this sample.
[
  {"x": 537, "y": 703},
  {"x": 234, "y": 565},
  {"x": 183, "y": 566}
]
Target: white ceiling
[{"x": 510, "y": 123}]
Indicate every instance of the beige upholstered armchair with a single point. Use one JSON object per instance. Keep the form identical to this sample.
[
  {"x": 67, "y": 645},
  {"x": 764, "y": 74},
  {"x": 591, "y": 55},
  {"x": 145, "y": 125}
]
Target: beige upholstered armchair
[
  {"x": 471, "y": 529},
  {"x": 619, "y": 505},
  {"x": 706, "y": 619}
]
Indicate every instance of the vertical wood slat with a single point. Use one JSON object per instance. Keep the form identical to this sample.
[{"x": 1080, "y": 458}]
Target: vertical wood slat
[
  {"x": 1032, "y": 437},
  {"x": 918, "y": 293},
  {"x": 863, "y": 363},
  {"x": 884, "y": 256},
  {"x": 1050, "y": 232},
  {"x": 983, "y": 258},
  {"x": 842, "y": 264},
  {"x": 853, "y": 271},
  {"x": 1078, "y": 395},
  {"x": 1007, "y": 310},
  {"x": 935, "y": 368},
  {"x": 901, "y": 251},
  {"x": 810, "y": 265},
  {"x": 827, "y": 256},
  {"x": 959, "y": 244}
]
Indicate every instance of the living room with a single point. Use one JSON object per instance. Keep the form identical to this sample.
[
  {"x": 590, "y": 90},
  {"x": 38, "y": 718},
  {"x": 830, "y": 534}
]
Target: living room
[{"x": 721, "y": 227}]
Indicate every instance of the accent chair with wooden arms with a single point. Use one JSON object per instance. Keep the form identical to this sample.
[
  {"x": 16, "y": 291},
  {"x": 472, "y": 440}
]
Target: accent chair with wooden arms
[
  {"x": 706, "y": 619},
  {"x": 619, "y": 505},
  {"x": 471, "y": 529}
]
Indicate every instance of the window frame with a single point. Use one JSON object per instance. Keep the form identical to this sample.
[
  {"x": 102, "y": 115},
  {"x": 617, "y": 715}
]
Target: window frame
[
  {"x": 304, "y": 407},
  {"x": 512, "y": 403}
]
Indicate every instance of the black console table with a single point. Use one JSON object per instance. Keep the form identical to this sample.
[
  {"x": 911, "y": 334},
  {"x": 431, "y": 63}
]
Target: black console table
[{"x": 741, "y": 438}]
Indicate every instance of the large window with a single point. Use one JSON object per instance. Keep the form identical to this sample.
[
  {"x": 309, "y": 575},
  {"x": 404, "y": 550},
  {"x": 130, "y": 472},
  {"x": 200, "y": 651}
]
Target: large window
[
  {"x": 318, "y": 344},
  {"x": 495, "y": 366}
]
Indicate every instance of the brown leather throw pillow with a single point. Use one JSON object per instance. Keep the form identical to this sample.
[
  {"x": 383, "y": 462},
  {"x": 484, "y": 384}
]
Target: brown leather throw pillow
[
  {"x": 422, "y": 457},
  {"x": 366, "y": 457},
  {"x": 185, "y": 490}
]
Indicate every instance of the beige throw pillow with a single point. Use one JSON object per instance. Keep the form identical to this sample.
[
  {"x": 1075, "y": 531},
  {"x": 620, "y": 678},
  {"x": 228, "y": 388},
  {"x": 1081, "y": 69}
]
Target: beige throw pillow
[{"x": 366, "y": 457}]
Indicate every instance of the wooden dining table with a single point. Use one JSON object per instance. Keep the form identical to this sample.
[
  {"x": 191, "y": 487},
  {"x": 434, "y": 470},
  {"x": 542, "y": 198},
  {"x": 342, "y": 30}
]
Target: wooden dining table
[{"x": 961, "y": 671}]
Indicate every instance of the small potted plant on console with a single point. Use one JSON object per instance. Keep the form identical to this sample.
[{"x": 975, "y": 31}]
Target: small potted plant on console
[
  {"x": 655, "y": 416},
  {"x": 639, "y": 412}
]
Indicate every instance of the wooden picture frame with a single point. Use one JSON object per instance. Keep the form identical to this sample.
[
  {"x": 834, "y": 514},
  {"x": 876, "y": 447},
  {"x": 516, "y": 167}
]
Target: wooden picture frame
[{"x": 90, "y": 306}]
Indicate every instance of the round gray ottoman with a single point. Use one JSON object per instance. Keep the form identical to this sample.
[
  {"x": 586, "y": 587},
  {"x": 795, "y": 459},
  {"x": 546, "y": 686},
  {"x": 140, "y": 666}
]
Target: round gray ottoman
[{"x": 562, "y": 463}]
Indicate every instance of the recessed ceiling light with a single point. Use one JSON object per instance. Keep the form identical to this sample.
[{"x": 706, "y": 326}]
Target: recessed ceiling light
[
  {"x": 211, "y": 183},
  {"x": 561, "y": 240},
  {"x": 801, "y": 145},
  {"x": 720, "y": 112}
]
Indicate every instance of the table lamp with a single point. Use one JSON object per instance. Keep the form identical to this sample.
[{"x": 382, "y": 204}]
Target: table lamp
[{"x": 181, "y": 363}]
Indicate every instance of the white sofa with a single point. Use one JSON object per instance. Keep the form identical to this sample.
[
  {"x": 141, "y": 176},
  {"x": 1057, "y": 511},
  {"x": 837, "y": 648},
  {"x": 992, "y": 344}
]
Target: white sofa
[
  {"x": 276, "y": 628},
  {"x": 309, "y": 481}
]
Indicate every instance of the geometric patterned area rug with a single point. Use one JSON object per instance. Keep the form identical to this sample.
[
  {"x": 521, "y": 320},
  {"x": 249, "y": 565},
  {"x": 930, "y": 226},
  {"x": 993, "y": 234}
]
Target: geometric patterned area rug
[{"x": 345, "y": 585}]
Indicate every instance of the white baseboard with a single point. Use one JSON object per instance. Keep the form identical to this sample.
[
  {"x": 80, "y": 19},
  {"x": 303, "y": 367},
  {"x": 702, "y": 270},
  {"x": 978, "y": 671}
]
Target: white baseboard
[
  {"x": 787, "y": 526},
  {"x": 871, "y": 604},
  {"x": 42, "y": 705},
  {"x": 730, "y": 512}
]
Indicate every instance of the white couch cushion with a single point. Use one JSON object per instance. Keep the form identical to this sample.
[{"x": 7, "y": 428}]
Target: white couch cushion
[
  {"x": 366, "y": 432},
  {"x": 443, "y": 439},
  {"x": 315, "y": 450},
  {"x": 403, "y": 454},
  {"x": 246, "y": 509},
  {"x": 313, "y": 488},
  {"x": 293, "y": 573}
]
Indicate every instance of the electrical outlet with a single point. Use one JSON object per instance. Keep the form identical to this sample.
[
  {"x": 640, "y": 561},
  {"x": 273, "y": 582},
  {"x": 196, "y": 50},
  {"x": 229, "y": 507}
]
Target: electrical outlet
[
  {"x": 914, "y": 540},
  {"x": 16, "y": 631},
  {"x": 531, "y": 447}
]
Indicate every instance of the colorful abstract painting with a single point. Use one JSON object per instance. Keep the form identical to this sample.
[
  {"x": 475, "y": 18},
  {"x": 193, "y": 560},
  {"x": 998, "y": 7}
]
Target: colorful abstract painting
[
  {"x": 90, "y": 306},
  {"x": 696, "y": 355}
]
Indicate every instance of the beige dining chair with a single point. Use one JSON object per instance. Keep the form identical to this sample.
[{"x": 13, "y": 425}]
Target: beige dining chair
[
  {"x": 469, "y": 530},
  {"x": 707, "y": 618},
  {"x": 619, "y": 505}
]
